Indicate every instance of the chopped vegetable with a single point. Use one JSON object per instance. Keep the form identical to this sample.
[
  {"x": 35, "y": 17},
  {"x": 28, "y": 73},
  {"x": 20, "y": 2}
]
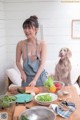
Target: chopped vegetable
[
  {"x": 23, "y": 117},
  {"x": 44, "y": 98},
  {"x": 9, "y": 98},
  {"x": 6, "y": 100},
  {"x": 4, "y": 104}
]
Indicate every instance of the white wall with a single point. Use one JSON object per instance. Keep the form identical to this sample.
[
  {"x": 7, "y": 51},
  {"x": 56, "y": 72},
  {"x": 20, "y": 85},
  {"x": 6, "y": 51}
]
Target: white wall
[
  {"x": 55, "y": 17},
  {"x": 2, "y": 45}
]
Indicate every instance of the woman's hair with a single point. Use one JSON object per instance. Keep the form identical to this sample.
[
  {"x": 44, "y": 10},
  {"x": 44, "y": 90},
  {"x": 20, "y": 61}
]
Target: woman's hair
[{"x": 30, "y": 22}]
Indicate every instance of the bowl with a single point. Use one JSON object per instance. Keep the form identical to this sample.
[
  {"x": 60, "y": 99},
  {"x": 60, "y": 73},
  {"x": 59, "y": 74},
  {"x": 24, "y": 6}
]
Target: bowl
[
  {"x": 38, "y": 113},
  {"x": 59, "y": 85},
  {"x": 45, "y": 98}
]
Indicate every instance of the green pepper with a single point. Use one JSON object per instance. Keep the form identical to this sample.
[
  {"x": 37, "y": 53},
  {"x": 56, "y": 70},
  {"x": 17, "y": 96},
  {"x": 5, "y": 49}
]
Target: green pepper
[{"x": 23, "y": 117}]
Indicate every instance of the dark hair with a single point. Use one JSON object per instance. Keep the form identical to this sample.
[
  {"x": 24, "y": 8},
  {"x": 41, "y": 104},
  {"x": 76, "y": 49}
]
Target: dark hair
[{"x": 30, "y": 22}]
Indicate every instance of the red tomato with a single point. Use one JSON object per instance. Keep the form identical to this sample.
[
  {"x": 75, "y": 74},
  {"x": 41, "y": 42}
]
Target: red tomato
[{"x": 58, "y": 86}]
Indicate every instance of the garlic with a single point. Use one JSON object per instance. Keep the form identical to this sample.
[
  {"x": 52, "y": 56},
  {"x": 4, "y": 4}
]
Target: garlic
[{"x": 33, "y": 94}]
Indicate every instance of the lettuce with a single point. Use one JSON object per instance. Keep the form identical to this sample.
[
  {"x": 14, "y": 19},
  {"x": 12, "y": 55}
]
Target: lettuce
[
  {"x": 49, "y": 82},
  {"x": 44, "y": 98}
]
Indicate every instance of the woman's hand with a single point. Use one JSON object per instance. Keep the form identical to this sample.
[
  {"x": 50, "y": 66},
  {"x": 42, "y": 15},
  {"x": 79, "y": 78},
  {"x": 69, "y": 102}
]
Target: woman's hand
[
  {"x": 23, "y": 76},
  {"x": 33, "y": 83}
]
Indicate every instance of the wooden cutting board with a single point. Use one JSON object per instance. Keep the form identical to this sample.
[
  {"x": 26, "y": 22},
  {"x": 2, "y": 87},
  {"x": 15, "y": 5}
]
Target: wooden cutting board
[
  {"x": 32, "y": 89},
  {"x": 17, "y": 111}
]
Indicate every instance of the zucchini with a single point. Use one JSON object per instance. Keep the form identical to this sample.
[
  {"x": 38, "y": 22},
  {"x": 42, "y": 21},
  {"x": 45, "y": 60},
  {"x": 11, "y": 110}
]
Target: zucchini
[
  {"x": 23, "y": 117},
  {"x": 21, "y": 91}
]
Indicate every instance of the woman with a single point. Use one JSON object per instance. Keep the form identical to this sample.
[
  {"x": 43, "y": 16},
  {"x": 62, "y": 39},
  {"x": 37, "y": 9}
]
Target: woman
[{"x": 33, "y": 53}]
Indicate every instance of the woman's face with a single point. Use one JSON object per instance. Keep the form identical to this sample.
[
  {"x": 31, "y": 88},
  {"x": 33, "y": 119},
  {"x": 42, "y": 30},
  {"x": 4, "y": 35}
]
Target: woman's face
[{"x": 30, "y": 32}]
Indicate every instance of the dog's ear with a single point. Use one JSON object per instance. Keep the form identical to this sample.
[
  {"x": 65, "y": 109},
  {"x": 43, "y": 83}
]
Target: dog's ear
[
  {"x": 60, "y": 52},
  {"x": 69, "y": 53}
]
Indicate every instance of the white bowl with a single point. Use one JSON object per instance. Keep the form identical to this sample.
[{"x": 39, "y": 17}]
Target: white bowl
[{"x": 54, "y": 97}]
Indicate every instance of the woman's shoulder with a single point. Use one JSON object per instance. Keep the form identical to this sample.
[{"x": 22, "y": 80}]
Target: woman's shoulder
[
  {"x": 21, "y": 43},
  {"x": 42, "y": 45},
  {"x": 41, "y": 42}
]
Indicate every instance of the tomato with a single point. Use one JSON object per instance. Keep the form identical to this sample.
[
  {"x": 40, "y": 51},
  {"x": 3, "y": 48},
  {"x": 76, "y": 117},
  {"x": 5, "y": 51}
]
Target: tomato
[{"x": 58, "y": 86}]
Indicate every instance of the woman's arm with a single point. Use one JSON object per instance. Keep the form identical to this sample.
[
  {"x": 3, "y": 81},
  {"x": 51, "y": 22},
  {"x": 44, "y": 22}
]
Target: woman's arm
[
  {"x": 18, "y": 58},
  {"x": 42, "y": 63}
]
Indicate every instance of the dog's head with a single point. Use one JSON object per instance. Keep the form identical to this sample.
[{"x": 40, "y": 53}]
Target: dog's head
[{"x": 65, "y": 53}]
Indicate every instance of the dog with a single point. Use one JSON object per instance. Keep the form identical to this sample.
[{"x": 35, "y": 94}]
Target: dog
[{"x": 63, "y": 67}]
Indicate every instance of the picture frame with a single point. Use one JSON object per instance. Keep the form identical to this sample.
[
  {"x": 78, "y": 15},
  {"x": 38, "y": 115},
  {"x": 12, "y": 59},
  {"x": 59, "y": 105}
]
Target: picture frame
[{"x": 75, "y": 29}]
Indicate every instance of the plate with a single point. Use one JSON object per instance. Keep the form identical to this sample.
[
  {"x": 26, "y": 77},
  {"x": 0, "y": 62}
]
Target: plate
[
  {"x": 21, "y": 98},
  {"x": 32, "y": 89},
  {"x": 52, "y": 95},
  {"x": 38, "y": 113}
]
